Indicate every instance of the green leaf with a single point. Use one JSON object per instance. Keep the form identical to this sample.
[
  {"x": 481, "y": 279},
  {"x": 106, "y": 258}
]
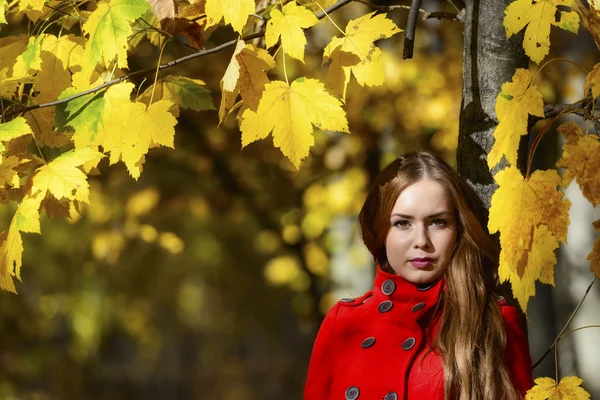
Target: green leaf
[{"x": 108, "y": 28}]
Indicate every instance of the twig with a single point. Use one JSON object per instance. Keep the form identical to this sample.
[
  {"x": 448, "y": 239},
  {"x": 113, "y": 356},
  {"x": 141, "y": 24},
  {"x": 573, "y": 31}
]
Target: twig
[
  {"x": 426, "y": 14},
  {"x": 411, "y": 26},
  {"x": 200, "y": 53},
  {"x": 553, "y": 110},
  {"x": 566, "y": 325}
]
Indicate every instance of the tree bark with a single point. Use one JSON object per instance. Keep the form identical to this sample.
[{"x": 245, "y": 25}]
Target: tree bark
[{"x": 489, "y": 60}]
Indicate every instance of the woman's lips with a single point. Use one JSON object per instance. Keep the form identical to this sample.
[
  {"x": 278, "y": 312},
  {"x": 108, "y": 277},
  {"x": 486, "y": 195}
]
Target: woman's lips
[{"x": 420, "y": 264}]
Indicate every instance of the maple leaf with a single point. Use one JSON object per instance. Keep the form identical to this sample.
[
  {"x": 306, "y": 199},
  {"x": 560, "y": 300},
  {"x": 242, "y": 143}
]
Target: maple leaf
[
  {"x": 539, "y": 261},
  {"x": 594, "y": 256},
  {"x": 246, "y": 75},
  {"x": 108, "y": 28},
  {"x": 289, "y": 24},
  {"x": 134, "y": 128},
  {"x": 581, "y": 158},
  {"x": 63, "y": 177},
  {"x": 42, "y": 122},
  {"x": 527, "y": 250},
  {"x": 290, "y": 112},
  {"x": 183, "y": 92},
  {"x": 26, "y": 219},
  {"x": 37, "y": 5},
  {"x": 13, "y": 129},
  {"x": 87, "y": 115},
  {"x": 163, "y": 9},
  {"x": 567, "y": 389},
  {"x": 30, "y": 59},
  {"x": 235, "y": 12},
  {"x": 3, "y": 5},
  {"x": 538, "y": 16},
  {"x": 356, "y": 52},
  {"x": 8, "y": 85},
  {"x": 590, "y": 19},
  {"x": 514, "y": 103},
  {"x": 592, "y": 81}
]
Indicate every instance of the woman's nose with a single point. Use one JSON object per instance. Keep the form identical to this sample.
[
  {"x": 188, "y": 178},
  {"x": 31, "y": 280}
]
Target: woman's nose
[{"x": 421, "y": 238}]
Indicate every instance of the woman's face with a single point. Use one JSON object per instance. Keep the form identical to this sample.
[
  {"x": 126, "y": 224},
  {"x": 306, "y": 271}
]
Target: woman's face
[{"x": 422, "y": 232}]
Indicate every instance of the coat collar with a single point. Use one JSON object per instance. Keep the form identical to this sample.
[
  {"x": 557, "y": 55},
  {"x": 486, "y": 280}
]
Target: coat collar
[{"x": 396, "y": 298}]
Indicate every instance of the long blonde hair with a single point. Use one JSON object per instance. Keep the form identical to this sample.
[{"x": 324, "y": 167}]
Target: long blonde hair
[{"x": 471, "y": 339}]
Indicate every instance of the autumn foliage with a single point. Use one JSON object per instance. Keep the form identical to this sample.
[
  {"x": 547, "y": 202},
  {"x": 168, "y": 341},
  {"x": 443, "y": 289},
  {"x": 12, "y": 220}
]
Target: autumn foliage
[{"x": 65, "y": 86}]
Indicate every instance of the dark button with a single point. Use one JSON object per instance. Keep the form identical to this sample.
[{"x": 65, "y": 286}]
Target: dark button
[
  {"x": 391, "y": 396},
  {"x": 418, "y": 307},
  {"x": 409, "y": 343},
  {"x": 424, "y": 286},
  {"x": 368, "y": 342},
  {"x": 352, "y": 393},
  {"x": 388, "y": 287},
  {"x": 347, "y": 300},
  {"x": 385, "y": 306}
]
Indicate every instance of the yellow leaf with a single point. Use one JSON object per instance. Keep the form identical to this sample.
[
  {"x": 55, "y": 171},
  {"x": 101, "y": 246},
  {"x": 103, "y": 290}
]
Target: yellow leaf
[
  {"x": 2, "y": 12},
  {"x": 68, "y": 49},
  {"x": 289, "y": 24},
  {"x": 361, "y": 34},
  {"x": 109, "y": 27},
  {"x": 357, "y": 52},
  {"x": 245, "y": 75},
  {"x": 13, "y": 129},
  {"x": 134, "y": 128},
  {"x": 8, "y": 86},
  {"x": 590, "y": 19},
  {"x": 42, "y": 122},
  {"x": 37, "y": 5},
  {"x": 30, "y": 58},
  {"x": 26, "y": 219},
  {"x": 519, "y": 209},
  {"x": 567, "y": 389},
  {"x": 594, "y": 256},
  {"x": 52, "y": 78},
  {"x": 537, "y": 15},
  {"x": 63, "y": 177},
  {"x": 592, "y": 81},
  {"x": 581, "y": 158},
  {"x": 538, "y": 260},
  {"x": 88, "y": 114},
  {"x": 235, "y": 12},
  {"x": 290, "y": 112},
  {"x": 513, "y": 105},
  {"x": 339, "y": 72}
]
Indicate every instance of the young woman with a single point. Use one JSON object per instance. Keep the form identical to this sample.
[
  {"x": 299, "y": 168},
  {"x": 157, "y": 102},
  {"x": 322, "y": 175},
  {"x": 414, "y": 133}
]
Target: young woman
[{"x": 432, "y": 327}]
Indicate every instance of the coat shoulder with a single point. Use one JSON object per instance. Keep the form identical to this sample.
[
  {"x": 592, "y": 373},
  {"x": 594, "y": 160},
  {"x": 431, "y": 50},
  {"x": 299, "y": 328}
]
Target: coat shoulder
[{"x": 355, "y": 301}]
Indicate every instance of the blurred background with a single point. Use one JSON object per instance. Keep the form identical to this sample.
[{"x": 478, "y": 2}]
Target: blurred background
[{"x": 208, "y": 278}]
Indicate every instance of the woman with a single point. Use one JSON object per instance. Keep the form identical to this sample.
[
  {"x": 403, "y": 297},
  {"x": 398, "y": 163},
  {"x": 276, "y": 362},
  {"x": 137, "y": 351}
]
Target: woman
[{"x": 432, "y": 327}]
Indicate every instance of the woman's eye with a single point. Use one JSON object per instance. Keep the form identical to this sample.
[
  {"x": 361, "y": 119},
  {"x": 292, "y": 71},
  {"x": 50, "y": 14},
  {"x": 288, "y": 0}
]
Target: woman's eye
[
  {"x": 401, "y": 223},
  {"x": 440, "y": 222}
]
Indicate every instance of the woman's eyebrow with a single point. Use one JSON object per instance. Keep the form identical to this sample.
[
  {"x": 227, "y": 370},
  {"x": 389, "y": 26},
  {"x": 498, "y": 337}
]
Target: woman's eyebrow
[{"x": 439, "y": 214}]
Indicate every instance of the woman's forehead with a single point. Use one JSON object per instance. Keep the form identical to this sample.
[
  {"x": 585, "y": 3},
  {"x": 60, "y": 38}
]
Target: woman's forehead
[{"x": 423, "y": 198}]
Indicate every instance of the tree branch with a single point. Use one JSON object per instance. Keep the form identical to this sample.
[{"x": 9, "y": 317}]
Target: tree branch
[
  {"x": 201, "y": 53},
  {"x": 411, "y": 26},
  {"x": 426, "y": 14}
]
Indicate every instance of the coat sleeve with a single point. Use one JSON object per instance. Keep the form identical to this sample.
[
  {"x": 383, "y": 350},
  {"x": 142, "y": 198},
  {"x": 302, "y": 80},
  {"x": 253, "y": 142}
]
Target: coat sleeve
[
  {"x": 517, "y": 354},
  {"x": 320, "y": 369}
]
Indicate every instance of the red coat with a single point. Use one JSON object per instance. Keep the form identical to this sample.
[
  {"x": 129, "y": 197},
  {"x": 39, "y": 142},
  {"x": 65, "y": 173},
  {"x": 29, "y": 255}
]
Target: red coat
[{"x": 369, "y": 348}]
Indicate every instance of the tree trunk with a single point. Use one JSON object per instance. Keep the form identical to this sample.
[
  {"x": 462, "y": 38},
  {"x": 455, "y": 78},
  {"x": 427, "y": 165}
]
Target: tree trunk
[{"x": 489, "y": 60}]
